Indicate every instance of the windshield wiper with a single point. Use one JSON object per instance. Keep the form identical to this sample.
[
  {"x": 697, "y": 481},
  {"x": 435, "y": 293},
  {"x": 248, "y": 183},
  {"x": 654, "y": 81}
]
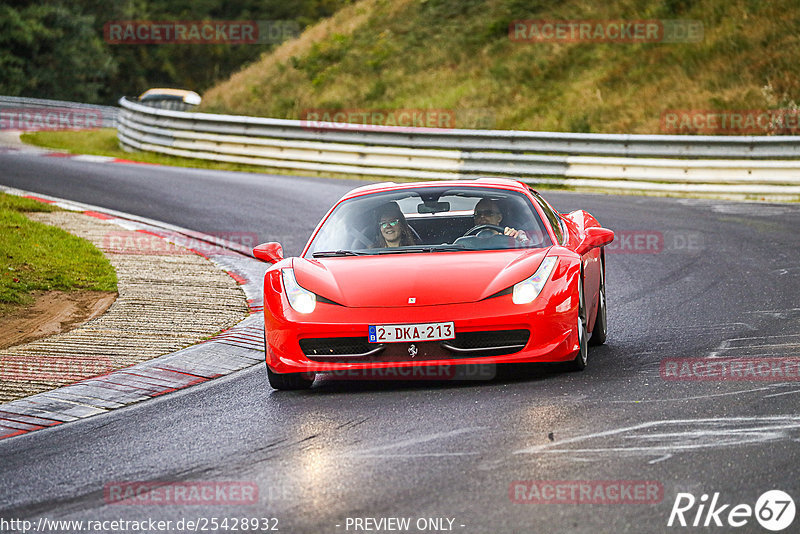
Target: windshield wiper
[
  {"x": 335, "y": 253},
  {"x": 447, "y": 248},
  {"x": 432, "y": 248}
]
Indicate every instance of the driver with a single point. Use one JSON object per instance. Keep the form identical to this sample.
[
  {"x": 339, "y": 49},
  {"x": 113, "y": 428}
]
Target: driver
[
  {"x": 393, "y": 230},
  {"x": 487, "y": 211}
]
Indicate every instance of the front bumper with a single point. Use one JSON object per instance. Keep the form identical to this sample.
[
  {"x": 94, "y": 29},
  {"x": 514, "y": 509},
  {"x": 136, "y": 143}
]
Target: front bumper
[{"x": 550, "y": 321}]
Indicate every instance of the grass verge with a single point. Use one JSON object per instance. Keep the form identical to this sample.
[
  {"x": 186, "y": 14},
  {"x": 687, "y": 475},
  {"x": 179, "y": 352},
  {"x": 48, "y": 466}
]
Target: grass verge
[
  {"x": 103, "y": 142},
  {"x": 38, "y": 257}
]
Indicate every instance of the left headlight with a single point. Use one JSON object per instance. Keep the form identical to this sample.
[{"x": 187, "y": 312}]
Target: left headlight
[
  {"x": 526, "y": 291},
  {"x": 300, "y": 299}
]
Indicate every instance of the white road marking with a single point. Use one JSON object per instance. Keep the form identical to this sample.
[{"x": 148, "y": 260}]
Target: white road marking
[
  {"x": 413, "y": 455},
  {"x": 710, "y": 327},
  {"x": 780, "y": 345},
  {"x": 784, "y": 393},
  {"x": 417, "y": 441},
  {"x": 92, "y": 159},
  {"x": 746, "y": 341},
  {"x": 690, "y": 434},
  {"x": 778, "y": 314},
  {"x": 787, "y": 270},
  {"x": 722, "y": 346},
  {"x": 747, "y": 208},
  {"x": 710, "y": 395}
]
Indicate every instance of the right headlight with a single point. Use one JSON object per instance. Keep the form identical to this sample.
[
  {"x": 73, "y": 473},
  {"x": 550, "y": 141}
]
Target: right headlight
[
  {"x": 526, "y": 291},
  {"x": 300, "y": 299}
]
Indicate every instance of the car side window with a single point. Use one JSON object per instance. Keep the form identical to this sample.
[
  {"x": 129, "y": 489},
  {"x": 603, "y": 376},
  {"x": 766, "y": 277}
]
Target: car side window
[{"x": 552, "y": 217}]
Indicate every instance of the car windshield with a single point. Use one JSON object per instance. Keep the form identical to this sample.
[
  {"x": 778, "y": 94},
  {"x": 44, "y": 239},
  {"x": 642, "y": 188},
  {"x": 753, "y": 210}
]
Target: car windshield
[{"x": 430, "y": 219}]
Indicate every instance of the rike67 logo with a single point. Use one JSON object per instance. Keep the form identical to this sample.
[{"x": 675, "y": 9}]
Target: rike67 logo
[{"x": 774, "y": 510}]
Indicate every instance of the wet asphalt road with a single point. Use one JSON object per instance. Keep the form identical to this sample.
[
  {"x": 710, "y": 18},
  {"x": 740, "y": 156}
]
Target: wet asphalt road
[{"x": 720, "y": 279}]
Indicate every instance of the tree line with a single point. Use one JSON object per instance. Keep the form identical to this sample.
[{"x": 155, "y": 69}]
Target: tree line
[{"x": 56, "y": 48}]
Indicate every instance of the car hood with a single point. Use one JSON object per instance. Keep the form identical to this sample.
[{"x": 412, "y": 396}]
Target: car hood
[{"x": 390, "y": 280}]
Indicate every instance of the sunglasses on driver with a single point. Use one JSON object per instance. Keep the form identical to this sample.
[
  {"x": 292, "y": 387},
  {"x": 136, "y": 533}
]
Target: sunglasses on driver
[
  {"x": 486, "y": 213},
  {"x": 386, "y": 224}
]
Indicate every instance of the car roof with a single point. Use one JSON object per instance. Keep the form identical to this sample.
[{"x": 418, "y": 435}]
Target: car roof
[
  {"x": 162, "y": 93},
  {"x": 502, "y": 183}
]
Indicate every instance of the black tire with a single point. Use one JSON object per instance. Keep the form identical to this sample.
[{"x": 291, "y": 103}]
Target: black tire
[
  {"x": 600, "y": 329},
  {"x": 582, "y": 358},
  {"x": 289, "y": 381}
]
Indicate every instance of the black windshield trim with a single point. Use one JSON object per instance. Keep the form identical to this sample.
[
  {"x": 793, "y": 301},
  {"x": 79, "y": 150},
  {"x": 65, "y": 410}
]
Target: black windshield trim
[{"x": 337, "y": 253}]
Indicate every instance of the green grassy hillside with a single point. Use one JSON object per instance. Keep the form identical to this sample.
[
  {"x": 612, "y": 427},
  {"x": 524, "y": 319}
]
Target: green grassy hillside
[{"x": 456, "y": 55}]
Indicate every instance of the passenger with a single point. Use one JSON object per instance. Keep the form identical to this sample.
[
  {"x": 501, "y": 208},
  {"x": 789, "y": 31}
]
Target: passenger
[
  {"x": 393, "y": 230},
  {"x": 487, "y": 211}
]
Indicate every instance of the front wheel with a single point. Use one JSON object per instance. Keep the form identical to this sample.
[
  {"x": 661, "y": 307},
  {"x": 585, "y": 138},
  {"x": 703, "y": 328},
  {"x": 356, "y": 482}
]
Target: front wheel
[
  {"x": 289, "y": 381},
  {"x": 579, "y": 363}
]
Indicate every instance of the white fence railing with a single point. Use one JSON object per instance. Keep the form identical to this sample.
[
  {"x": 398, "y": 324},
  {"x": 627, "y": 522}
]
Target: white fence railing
[
  {"x": 745, "y": 165},
  {"x": 38, "y": 108}
]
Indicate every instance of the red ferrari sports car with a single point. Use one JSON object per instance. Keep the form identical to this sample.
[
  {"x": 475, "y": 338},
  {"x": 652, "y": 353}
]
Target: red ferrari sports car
[{"x": 443, "y": 273}]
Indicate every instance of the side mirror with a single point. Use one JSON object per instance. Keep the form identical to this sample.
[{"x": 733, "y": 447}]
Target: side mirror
[
  {"x": 271, "y": 252},
  {"x": 595, "y": 237}
]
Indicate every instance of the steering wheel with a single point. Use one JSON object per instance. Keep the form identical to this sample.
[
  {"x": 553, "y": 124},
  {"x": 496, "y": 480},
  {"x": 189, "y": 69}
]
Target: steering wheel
[{"x": 482, "y": 230}]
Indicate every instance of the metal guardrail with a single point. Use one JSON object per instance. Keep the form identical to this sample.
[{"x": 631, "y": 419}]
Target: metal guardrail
[
  {"x": 745, "y": 165},
  {"x": 109, "y": 113}
]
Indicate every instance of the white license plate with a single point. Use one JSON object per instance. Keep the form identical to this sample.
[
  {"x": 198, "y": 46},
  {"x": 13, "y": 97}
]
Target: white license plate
[{"x": 394, "y": 333}]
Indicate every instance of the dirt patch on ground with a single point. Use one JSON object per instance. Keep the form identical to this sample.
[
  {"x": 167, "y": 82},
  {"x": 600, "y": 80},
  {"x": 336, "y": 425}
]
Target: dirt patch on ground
[
  {"x": 167, "y": 301},
  {"x": 51, "y": 313}
]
